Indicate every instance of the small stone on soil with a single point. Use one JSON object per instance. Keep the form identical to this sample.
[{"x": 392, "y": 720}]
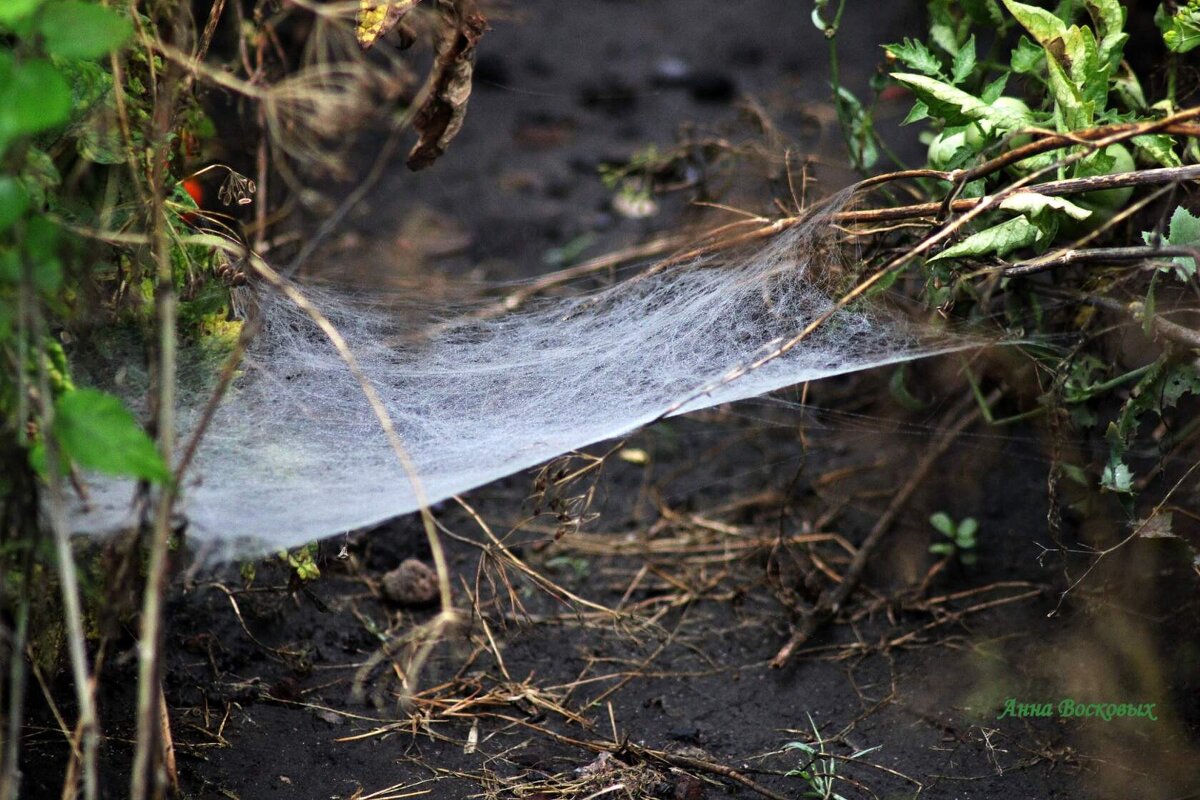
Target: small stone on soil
[{"x": 410, "y": 584}]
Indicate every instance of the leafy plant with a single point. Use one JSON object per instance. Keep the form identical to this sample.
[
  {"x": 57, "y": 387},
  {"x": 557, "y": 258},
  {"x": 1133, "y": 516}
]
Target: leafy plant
[
  {"x": 820, "y": 770},
  {"x": 302, "y": 562},
  {"x": 961, "y": 536}
]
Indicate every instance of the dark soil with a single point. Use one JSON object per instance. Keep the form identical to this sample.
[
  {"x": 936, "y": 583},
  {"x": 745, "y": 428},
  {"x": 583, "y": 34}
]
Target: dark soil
[{"x": 709, "y": 527}]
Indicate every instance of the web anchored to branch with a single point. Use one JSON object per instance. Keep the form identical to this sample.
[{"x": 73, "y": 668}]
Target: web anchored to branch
[{"x": 296, "y": 452}]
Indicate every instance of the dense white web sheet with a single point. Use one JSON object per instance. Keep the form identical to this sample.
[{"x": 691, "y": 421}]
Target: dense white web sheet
[{"x": 295, "y": 452}]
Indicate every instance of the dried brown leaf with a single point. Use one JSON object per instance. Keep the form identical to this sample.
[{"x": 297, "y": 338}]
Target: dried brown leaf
[
  {"x": 376, "y": 18},
  {"x": 440, "y": 118}
]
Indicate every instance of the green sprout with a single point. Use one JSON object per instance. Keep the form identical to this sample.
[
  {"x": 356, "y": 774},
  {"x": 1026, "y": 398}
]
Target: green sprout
[
  {"x": 961, "y": 537},
  {"x": 820, "y": 770}
]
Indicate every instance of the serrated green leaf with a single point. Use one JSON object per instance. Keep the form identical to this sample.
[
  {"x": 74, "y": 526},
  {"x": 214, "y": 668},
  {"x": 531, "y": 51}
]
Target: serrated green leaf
[
  {"x": 1185, "y": 228},
  {"x": 1026, "y": 57},
  {"x": 1032, "y": 204},
  {"x": 915, "y": 56},
  {"x": 96, "y": 431},
  {"x": 964, "y": 62},
  {"x": 1158, "y": 147},
  {"x": 997, "y": 240},
  {"x": 1183, "y": 231},
  {"x": 77, "y": 29},
  {"x": 995, "y": 89},
  {"x": 1117, "y": 477},
  {"x": 1180, "y": 380}
]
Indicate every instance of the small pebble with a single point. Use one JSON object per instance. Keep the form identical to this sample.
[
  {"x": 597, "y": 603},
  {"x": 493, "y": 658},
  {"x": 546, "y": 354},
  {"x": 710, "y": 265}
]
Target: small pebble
[{"x": 411, "y": 584}]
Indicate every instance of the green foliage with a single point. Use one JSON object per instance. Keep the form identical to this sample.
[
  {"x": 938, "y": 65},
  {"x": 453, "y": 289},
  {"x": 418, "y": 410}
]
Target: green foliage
[
  {"x": 1163, "y": 385},
  {"x": 1070, "y": 62},
  {"x": 1180, "y": 30},
  {"x": 78, "y": 29},
  {"x": 96, "y": 431},
  {"x": 961, "y": 537},
  {"x": 57, "y": 96},
  {"x": 302, "y": 562},
  {"x": 1184, "y": 231},
  {"x": 34, "y": 97},
  {"x": 819, "y": 772}
]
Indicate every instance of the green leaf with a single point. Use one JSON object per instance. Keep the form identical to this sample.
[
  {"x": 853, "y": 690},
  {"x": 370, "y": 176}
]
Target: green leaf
[
  {"x": 947, "y": 102},
  {"x": 1158, "y": 147},
  {"x": 860, "y": 129},
  {"x": 14, "y": 201},
  {"x": 96, "y": 431},
  {"x": 1042, "y": 25},
  {"x": 995, "y": 89},
  {"x": 1026, "y": 57},
  {"x": 915, "y": 56},
  {"x": 1083, "y": 63},
  {"x": 1181, "y": 379},
  {"x": 77, "y": 29},
  {"x": 1031, "y": 204},
  {"x": 999, "y": 240},
  {"x": 964, "y": 62},
  {"x": 1071, "y": 112},
  {"x": 941, "y": 548},
  {"x": 1181, "y": 30},
  {"x": 1129, "y": 88},
  {"x": 967, "y": 529},
  {"x": 12, "y": 11},
  {"x": 957, "y": 107},
  {"x": 1183, "y": 231},
  {"x": 942, "y": 523},
  {"x": 1117, "y": 477},
  {"x": 1108, "y": 18},
  {"x": 33, "y": 97},
  {"x": 918, "y": 112}
]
